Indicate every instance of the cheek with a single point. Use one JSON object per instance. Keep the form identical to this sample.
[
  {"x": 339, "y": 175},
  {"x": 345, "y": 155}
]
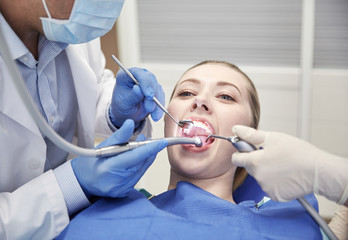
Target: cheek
[
  {"x": 239, "y": 115},
  {"x": 170, "y": 128}
]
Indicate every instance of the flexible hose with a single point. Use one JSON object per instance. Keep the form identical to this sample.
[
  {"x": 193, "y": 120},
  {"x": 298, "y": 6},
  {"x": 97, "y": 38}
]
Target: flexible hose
[
  {"x": 330, "y": 234},
  {"x": 30, "y": 105}
]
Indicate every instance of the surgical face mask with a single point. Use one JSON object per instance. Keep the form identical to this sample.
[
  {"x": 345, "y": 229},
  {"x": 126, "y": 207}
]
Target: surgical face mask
[{"x": 89, "y": 19}]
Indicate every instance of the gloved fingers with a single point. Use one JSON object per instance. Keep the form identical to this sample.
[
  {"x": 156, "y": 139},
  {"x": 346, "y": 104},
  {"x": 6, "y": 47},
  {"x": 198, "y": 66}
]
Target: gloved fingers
[
  {"x": 149, "y": 105},
  {"x": 147, "y": 81},
  {"x": 128, "y": 99},
  {"x": 136, "y": 101},
  {"x": 240, "y": 159},
  {"x": 249, "y": 134},
  {"x": 137, "y": 171},
  {"x": 121, "y": 135},
  {"x": 148, "y": 162},
  {"x": 158, "y": 112},
  {"x": 136, "y": 156},
  {"x": 136, "y": 104},
  {"x": 150, "y": 88},
  {"x": 246, "y": 160},
  {"x": 140, "y": 138},
  {"x": 137, "y": 94},
  {"x": 125, "y": 103},
  {"x": 122, "y": 79}
]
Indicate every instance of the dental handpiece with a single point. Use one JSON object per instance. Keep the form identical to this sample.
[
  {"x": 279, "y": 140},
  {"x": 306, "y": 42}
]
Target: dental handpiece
[
  {"x": 241, "y": 145},
  {"x": 120, "y": 148}
]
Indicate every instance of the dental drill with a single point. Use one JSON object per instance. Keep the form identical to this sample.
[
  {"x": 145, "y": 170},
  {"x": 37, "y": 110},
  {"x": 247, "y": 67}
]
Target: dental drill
[
  {"x": 120, "y": 148},
  {"x": 243, "y": 146}
]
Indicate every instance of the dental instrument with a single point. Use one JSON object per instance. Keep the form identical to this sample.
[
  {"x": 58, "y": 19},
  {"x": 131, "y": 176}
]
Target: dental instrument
[
  {"x": 240, "y": 145},
  {"x": 52, "y": 135},
  {"x": 243, "y": 146},
  {"x": 182, "y": 123},
  {"x": 120, "y": 148}
]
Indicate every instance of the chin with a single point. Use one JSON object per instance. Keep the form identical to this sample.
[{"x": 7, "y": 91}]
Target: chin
[{"x": 188, "y": 163}]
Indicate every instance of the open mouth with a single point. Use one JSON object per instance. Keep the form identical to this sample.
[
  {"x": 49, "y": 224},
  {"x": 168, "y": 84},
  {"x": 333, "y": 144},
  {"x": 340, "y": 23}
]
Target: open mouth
[{"x": 201, "y": 129}]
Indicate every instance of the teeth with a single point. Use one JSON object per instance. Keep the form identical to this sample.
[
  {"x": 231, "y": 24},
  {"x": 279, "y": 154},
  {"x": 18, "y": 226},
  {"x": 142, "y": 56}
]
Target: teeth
[
  {"x": 202, "y": 125},
  {"x": 196, "y": 125}
]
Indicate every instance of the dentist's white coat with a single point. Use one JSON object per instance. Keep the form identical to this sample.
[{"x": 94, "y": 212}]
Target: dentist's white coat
[{"x": 31, "y": 203}]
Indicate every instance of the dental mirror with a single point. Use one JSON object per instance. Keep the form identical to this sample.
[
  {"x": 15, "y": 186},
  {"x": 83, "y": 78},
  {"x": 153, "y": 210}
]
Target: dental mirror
[{"x": 185, "y": 124}]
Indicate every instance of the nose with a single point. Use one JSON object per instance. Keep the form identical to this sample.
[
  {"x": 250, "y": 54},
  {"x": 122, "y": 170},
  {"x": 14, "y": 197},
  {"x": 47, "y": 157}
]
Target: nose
[{"x": 200, "y": 104}]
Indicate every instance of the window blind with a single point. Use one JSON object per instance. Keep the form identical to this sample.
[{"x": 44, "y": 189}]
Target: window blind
[
  {"x": 331, "y": 34},
  {"x": 253, "y": 33}
]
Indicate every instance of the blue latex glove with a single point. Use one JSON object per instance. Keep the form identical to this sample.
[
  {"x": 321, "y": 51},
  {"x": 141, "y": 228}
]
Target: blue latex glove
[
  {"x": 130, "y": 101},
  {"x": 116, "y": 176}
]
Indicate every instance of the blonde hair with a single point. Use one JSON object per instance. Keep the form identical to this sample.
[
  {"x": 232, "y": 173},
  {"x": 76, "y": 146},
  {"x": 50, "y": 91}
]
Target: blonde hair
[{"x": 241, "y": 173}]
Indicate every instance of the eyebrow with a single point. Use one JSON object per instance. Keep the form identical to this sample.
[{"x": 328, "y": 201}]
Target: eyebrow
[
  {"x": 193, "y": 80},
  {"x": 220, "y": 83}
]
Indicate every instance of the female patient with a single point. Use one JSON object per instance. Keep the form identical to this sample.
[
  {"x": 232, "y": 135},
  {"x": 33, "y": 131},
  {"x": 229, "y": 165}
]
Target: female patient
[
  {"x": 215, "y": 96},
  {"x": 199, "y": 203}
]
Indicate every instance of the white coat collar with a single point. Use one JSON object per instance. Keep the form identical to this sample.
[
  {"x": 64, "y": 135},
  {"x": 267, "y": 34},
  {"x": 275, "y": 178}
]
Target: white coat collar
[{"x": 11, "y": 103}]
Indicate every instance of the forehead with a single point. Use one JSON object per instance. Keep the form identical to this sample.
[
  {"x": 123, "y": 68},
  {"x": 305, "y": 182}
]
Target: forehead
[{"x": 212, "y": 73}]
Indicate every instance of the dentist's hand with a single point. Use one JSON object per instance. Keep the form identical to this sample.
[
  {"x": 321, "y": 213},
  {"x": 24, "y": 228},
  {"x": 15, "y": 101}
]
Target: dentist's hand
[
  {"x": 115, "y": 176},
  {"x": 288, "y": 168},
  {"x": 131, "y": 101}
]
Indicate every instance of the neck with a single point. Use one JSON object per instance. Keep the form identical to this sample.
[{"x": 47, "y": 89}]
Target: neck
[
  {"x": 24, "y": 18},
  {"x": 220, "y": 186},
  {"x": 30, "y": 40}
]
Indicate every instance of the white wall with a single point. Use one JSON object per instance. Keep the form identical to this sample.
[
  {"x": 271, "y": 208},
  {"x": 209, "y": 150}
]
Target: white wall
[{"x": 324, "y": 122}]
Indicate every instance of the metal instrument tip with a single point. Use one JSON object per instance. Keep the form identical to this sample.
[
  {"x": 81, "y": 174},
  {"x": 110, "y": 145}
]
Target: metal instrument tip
[
  {"x": 185, "y": 124},
  {"x": 210, "y": 136},
  {"x": 198, "y": 142},
  {"x": 216, "y": 136}
]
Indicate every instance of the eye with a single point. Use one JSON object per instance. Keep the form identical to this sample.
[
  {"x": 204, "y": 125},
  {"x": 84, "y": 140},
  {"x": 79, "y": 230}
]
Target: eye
[
  {"x": 185, "y": 93},
  {"x": 226, "y": 97}
]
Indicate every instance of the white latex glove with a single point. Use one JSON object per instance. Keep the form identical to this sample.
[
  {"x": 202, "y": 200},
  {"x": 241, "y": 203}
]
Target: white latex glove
[
  {"x": 288, "y": 168},
  {"x": 339, "y": 223}
]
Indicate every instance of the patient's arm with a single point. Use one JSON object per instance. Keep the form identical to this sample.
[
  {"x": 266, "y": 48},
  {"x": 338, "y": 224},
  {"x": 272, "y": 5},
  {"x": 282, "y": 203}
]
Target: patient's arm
[{"x": 339, "y": 223}]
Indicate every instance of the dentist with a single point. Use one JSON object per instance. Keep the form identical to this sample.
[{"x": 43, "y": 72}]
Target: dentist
[{"x": 56, "y": 47}]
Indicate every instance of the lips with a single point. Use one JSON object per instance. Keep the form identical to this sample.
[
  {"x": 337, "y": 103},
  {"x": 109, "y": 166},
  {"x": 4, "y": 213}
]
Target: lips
[{"x": 200, "y": 128}]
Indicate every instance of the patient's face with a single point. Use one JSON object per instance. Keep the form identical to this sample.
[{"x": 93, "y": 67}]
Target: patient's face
[{"x": 215, "y": 98}]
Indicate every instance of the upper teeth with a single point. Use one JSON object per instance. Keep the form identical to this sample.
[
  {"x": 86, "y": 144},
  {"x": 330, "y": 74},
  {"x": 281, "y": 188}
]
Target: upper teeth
[{"x": 199, "y": 125}]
